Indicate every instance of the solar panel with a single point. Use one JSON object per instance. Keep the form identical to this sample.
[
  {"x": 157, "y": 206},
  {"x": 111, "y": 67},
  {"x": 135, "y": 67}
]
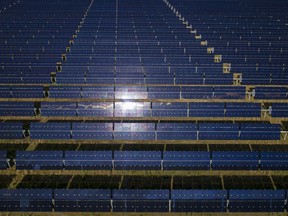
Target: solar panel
[
  {"x": 58, "y": 109},
  {"x": 88, "y": 160},
  {"x": 132, "y": 109},
  {"x": 176, "y": 131},
  {"x": 270, "y": 93},
  {"x": 137, "y": 160},
  {"x": 65, "y": 92},
  {"x": 102, "y": 109},
  {"x": 260, "y": 131},
  {"x": 243, "y": 110},
  {"x": 225, "y": 92},
  {"x": 235, "y": 160},
  {"x": 218, "y": 131},
  {"x": 37, "y": 200},
  {"x": 178, "y": 160},
  {"x": 279, "y": 110},
  {"x": 27, "y": 92},
  {"x": 39, "y": 160},
  {"x": 17, "y": 109},
  {"x": 206, "y": 109},
  {"x": 97, "y": 131},
  {"x": 274, "y": 160},
  {"x": 82, "y": 200},
  {"x": 140, "y": 194},
  {"x": 49, "y": 130},
  {"x": 256, "y": 200},
  {"x": 11, "y": 130},
  {"x": 199, "y": 200}
]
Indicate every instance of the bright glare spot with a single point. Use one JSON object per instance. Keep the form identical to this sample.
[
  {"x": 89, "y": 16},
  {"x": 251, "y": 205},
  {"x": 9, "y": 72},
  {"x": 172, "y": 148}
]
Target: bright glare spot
[{"x": 129, "y": 105}]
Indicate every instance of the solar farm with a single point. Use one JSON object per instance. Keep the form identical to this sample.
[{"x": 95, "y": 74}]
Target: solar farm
[{"x": 143, "y": 107}]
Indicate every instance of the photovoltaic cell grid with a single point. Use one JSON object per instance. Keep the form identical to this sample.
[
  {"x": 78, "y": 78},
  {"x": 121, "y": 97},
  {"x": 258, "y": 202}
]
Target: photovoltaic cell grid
[
  {"x": 144, "y": 131},
  {"x": 139, "y": 109},
  {"x": 103, "y": 200},
  {"x": 148, "y": 160}
]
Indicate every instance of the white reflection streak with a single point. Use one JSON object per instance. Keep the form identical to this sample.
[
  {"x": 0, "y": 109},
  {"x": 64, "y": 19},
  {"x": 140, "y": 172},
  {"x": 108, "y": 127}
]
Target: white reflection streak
[{"x": 130, "y": 105}]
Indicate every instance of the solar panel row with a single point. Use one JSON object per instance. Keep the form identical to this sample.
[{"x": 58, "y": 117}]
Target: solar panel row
[
  {"x": 149, "y": 160},
  {"x": 101, "y": 200},
  {"x": 170, "y": 92},
  {"x": 160, "y": 131}
]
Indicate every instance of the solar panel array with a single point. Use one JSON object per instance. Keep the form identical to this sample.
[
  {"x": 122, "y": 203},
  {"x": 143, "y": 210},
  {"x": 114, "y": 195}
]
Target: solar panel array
[
  {"x": 102, "y": 200},
  {"x": 148, "y": 160},
  {"x": 143, "y": 106}
]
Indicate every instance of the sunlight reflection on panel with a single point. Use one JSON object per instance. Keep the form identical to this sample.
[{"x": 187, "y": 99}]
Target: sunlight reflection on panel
[{"x": 132, "y": 109}]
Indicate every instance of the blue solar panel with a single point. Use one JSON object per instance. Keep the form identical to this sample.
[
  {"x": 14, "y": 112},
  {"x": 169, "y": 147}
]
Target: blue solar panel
[
  {"x": 279, "y": 110},
  {"x": 95, "y": 109},
  {"x": 82, "y": 200},
  {"x": 134, "y": 127},
  {"x": 95, "y": 127},
  {"x": 215, "y": 127},
  {"x": 27, "y": 92},
  {"x": 35, "y": 126},
  {"x": 169, "y": 106},
  {"x": 198, "y": 194},
  {"x": 223, "y": 135},
  {"x": 134, "y": 135},
  {"x": 11, "y": 130},
  {"x": 137, "y": 160},
  {"x": 164, "y": 89},
  {"x": 137, "y": 155},
  {"x": 95, "y": 112},
  {"x": 169, "y": 109},
  {"x": 235, "y": 160},
  {"x": 243, "y": 110},
  {"x": 260, "y": 127},
  {"x": 169, "y": 113},
  {"x": 211, "y": 131},
  {"x": 17, "y": 109},
  {"x": 82, "y": 206},
  {"x": 256, "y": 200},
  {"x": 274, "y": 160},
  {"x": 38, "y": 200},
  {"x": 197, "y": 89},
  {"x": 163, "y": 95},
  {"x": 199, "y": 200},
  {"x": 260, "y": 131},
  {"x": 49, "y": 130},
  {"x": 82, "y": 194},
  {"x": 177, "y": 135},
  {"x": 39, "y": 160},
  {"x": 65, "y": 92},
  {"x": 177, "y": 160},
  {"x": 181, "y": 127},
  {"x": 88, "y": 160},
  {"x": 206, "y": 109},
  {"x": 58, "y": 109},
  {"x": 225, "y": 92},
  {"x": 141, "y": 206},
  {"x": 140, "y": 194},
  {"x": 196, "y": 95},
  {"x": 90, "y": 135},
  {"x": 270, "y": 93}
]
